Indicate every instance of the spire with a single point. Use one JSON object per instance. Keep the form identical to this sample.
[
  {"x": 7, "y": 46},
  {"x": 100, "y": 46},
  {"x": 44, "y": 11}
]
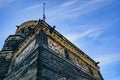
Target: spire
[{"x": 44, "y": 17}]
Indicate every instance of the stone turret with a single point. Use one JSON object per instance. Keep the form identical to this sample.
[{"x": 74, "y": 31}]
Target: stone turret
[{"x": 11, "y": 45}]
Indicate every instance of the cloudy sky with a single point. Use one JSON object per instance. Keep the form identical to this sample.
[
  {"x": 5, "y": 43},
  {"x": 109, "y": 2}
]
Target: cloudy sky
[{"x": 92, "y": 25}]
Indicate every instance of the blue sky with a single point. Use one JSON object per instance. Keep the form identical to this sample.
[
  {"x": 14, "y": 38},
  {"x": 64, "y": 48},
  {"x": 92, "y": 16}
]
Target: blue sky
[{"x": 92, "y": 25}]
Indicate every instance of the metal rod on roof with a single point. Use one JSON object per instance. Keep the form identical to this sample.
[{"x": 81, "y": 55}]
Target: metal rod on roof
[{"x": 44, "y": 17}]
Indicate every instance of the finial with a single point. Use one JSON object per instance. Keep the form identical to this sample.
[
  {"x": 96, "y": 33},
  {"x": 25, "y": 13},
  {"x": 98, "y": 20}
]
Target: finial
[
  {"x": 44, "y": 17},
  {"x": 97, "y": 63},
  {"x": 17, "y": 26},
  {"x": 39, "y": 20},
  {"x": 52, "y": 29}
]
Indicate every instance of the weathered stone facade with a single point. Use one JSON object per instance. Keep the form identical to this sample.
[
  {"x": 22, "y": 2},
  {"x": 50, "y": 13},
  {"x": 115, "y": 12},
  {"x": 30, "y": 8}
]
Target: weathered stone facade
[{"x": 38, "y": 52}]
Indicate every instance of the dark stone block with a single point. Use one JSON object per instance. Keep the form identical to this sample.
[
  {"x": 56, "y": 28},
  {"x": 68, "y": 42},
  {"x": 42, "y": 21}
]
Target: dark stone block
[{"x": 52, "y": 64}]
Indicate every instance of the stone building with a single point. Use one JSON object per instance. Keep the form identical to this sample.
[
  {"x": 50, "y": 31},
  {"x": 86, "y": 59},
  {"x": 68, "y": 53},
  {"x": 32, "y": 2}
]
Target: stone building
[{"x": 38, "y": 52}]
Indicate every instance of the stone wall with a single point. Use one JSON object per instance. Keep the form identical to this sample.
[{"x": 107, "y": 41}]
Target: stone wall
[
  {"x": 26, "y": 69},
  {"x": 55, "y": 67},
  {"x": 72, "y": 57}
]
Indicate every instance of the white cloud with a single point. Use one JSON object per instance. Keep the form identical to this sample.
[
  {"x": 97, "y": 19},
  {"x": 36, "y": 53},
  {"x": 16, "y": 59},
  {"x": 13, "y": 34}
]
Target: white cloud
[
  {"x": 33, "y": 7},
  {"x": 65, "y": 11},
  {"x": 91, "y": 33},
  {"x": 90, "y": 5},
  {"x": 108, "y": 59},
  {"x": 68, "y": 3},
  {"x": 96, "y": 34},
  {"x": 5, "y": 2},
  {"x": 74, "y": 37}
]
